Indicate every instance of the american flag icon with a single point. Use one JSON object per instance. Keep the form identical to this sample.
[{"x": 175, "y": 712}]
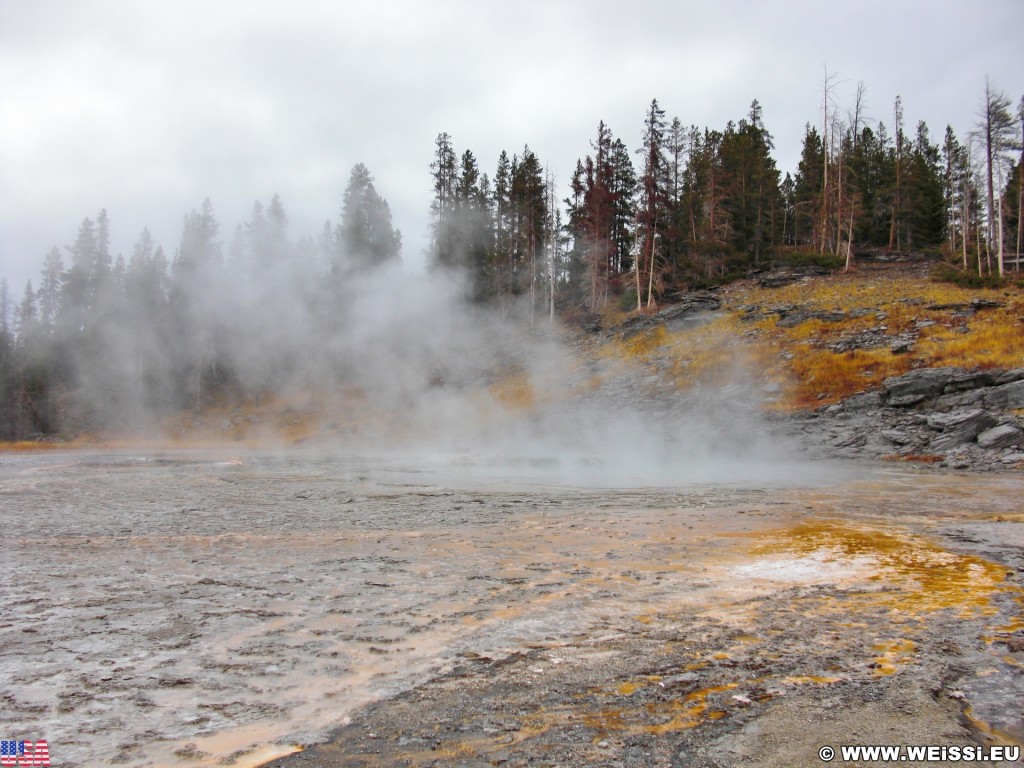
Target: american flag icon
[{"x": 17, "y": 753}]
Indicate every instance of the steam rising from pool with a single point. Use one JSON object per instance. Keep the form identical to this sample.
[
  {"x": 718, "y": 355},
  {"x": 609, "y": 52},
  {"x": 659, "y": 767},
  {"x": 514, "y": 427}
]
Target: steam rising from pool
[{"x": 478, "y": 391}]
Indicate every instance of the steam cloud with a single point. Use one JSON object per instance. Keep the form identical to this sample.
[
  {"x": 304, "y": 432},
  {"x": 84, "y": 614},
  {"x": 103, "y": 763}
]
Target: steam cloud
[
  {"x": 406, "y": 360},
  {"x": 461, "y": 385}
]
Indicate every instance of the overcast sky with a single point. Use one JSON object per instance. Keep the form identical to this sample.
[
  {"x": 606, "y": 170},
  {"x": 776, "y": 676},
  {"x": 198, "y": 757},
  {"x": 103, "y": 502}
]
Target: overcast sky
[{"x": 145, "y": 108}]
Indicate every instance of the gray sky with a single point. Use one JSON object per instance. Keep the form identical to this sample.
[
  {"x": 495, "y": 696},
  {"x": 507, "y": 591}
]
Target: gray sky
[{"x": 145, "y": 108}]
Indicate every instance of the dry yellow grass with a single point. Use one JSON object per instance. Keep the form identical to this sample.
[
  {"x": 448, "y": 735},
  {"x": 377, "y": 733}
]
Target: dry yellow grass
[
  {"x": 799, "y": 359},
  {"x": 514, "y": 391},
  {"x": 823, "y": 376},
  {"x": 993, "y": 340},
  {"x": 893, "y": 305},
  {"x": 274, "y": 419},
  {"x": 713, "y": 353},
  {"x": 25, "y": 446},
  {"x": 718, "y": 351}
]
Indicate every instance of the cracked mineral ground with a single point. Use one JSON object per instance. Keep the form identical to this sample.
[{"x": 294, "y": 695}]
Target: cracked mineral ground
[{"x": 202, "y": 608}]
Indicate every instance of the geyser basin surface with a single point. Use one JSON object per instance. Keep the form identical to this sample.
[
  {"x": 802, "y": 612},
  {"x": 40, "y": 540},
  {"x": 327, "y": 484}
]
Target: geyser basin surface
[{"x": 201, "y": 606}]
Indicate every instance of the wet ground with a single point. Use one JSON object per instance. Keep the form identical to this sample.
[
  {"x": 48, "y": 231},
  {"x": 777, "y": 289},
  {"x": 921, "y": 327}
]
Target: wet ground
[{"x": 202, "y": 608}]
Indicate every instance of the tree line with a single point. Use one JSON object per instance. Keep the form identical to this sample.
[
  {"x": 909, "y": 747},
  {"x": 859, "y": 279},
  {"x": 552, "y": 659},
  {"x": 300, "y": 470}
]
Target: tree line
[
  {"x": 693, "y": 206},
  {"x": 103, "y": 340},
  {"x": 109, "y": 341}
]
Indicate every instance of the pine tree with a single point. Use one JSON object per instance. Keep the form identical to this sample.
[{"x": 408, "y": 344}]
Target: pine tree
[
  {"x": 6, "y": 316},
  {"x": 147, "y": 312},
  {"x": 877, "y": 167},
  {"x": 78, "y": 296},
  {"x": 694, "y": 181},
  {"x": 926, "y": 223},
  {"x": 50, "y": 289},
  {"x": 195, "y": 302},
  {"x": 599, "y": 216},
  {"x": 365, "y": 237},
  {"x": 1017, "y": 182},
  {"x": 898, "y": 190},
  {"x": 102, "y": 268},
  {"x": 717, "y": 220},
  {"x": 485, "y": 244},
  {"x": 997, "y": 129},
  {"x": 676, "y": 227},
  {"x": 623, "y": 189},
  {"x": 442, "y": 208},
  {"x": 529, "y": 208},
  {"x": 249, "y": 249},
  {"x": 808, "y": 186},
  {"x": 750, "y": 184},
  {"x": 26, "y": 316},
  {"x": 856, "y": 176},
  {"x": 602, "y": 216},
  {"x": 503, "y": 226},
  {"x": 472, "y": 235},
  {"x": 9, "y": 415},
  {"x": 278, "y": 245},
  {"x": 787, "y": 196},
  {"x": 1012, "y": 194},
  {"x": 1020, "y": 185},
  {"x": 653, "y": 216}
]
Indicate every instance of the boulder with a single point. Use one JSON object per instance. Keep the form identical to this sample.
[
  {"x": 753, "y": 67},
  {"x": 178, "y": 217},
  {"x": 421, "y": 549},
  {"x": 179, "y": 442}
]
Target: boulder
[
  {"x": 792, "y": 317},
  {"x": 959, "y": 427},
  {"x": 896, "y": 436},
  {"x": 917, "y": 386},
  {"x": 902, "y": 346},
  {"x": 850, "y": 439},
  {"x": 1002, "y": 436},
  {"x": 691, "y": 309},
  {"x": 969, "y": 380},
  {"x": 1008, "y": 377},
  {"x": 781, "y": 277},
  {"x": 1007, "y": 397},
  {"x": 863, "y": 401},
  {"x": 971, "y": 398},
  {"x": 959, "y": 421},
  {"x": 977, "y": 304}
]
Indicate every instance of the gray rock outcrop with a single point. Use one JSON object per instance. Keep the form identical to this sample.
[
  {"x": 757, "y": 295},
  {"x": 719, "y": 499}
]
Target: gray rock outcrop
[
  {"x": 917, "y": 386},
  {"x": 1002, "y": 436},
  {"x": 965, "y": 419}
]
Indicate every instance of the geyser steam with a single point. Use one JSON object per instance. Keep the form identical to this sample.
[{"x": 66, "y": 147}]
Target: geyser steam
[{"x": 455, "y": 382}]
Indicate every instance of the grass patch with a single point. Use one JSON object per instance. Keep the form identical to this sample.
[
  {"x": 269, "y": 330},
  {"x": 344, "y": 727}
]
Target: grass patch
[
  {"x": 993, "y": 341},
  {"x": 868, "y": 310},
  {"x": 714, "y": 353},
  {"x": 515, "y": 391},
  {"x": 937, "y": 315},
  {"x": 825, "y": 377}
]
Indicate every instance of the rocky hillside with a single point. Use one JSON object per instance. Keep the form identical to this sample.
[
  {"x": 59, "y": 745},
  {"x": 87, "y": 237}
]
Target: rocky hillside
[{"x": 881, "y": 363}]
